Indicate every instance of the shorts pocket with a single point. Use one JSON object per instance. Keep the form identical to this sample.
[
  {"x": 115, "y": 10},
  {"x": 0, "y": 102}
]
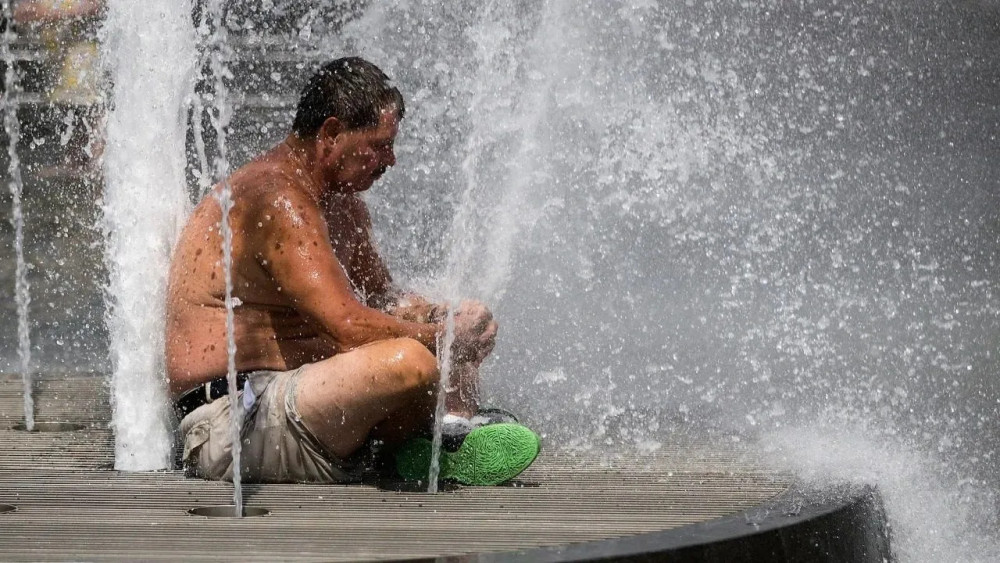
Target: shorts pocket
[{"x": 195, "y": 438}]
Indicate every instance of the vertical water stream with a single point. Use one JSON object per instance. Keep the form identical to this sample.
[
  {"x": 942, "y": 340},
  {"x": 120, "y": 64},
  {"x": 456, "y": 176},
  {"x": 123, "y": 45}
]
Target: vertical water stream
[
  {"x": 444, "y": 368},
  {"x": 235, "y": 405},
  {"x": 470, "y": 270},
  {"x": 149, "y": 49},
  {"x": 220, "y": 118},
  {"x": 12, "y": 128}
]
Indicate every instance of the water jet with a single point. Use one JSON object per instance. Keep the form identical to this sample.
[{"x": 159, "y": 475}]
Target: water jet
[{"x": 22, "y": 291}]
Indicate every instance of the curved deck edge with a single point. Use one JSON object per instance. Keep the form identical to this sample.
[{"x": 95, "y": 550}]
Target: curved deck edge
[{"x": 839, "y": 524}]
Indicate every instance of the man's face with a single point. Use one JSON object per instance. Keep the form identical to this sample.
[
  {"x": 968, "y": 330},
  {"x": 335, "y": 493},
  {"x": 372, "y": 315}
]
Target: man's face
[{"x": 358, "y": 157}]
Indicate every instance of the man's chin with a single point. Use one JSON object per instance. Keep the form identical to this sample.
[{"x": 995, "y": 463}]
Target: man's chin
[{"x": 348, "y": 188}]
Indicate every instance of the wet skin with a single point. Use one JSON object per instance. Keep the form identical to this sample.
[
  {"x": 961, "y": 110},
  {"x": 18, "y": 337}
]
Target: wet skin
[{"x": 314, "y": 292}]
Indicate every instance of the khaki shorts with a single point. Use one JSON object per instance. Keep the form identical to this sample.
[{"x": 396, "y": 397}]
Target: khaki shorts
[{"x": 277, "y": 447}]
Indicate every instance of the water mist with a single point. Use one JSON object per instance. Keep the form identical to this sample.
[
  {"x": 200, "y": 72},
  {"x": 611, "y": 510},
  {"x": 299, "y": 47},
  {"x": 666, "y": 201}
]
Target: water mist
[{"x": 766, "y": 224}]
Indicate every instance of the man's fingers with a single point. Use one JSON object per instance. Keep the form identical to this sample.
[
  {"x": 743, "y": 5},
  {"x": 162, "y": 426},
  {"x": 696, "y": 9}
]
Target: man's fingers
[
  {"x": 475, "y": 343},
  {"x": 479, "y": 316},
  {"x": 474, "y": 308},
  {"x": 488, "y": 340},
  {"x": 475, "y": 330}
]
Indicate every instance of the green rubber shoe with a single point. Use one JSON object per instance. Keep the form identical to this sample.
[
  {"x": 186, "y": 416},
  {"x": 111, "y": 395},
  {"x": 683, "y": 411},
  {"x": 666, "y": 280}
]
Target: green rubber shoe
[{"x": 490, "y": 455}]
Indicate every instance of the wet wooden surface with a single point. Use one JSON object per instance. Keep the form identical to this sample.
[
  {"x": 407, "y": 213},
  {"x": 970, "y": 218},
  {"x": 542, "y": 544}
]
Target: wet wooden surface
[{"x": 71, "y": 504}]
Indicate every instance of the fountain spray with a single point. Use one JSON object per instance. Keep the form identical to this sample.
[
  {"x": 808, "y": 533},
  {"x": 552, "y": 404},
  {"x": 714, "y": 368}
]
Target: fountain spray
[
  {"x": 12, "y": 128},
  {"x": 220, "y": 119},
  {"x": 444, "y": 344},
  {"x": 470, "y": 269},
  {"x": 148, "y": 47},
  {"x": 753, "y": 215}
]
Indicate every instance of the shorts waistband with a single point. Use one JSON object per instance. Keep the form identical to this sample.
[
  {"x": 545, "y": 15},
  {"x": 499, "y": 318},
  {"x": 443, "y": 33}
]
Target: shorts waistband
[{"x": 205, "y": 394}]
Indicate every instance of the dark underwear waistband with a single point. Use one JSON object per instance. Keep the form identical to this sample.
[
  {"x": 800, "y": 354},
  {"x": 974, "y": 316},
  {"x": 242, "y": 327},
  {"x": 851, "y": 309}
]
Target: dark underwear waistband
[{"x": 205, "y": 394}]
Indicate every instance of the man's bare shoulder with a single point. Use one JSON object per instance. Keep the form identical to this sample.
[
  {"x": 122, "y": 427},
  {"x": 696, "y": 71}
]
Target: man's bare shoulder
[
  {"x": 265, "y": 176},
  {"x": 272, "y": 188}
]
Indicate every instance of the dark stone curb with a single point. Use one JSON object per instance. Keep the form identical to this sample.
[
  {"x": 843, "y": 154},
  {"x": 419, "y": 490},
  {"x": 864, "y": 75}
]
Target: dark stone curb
[{"x": 801, "y": 525}]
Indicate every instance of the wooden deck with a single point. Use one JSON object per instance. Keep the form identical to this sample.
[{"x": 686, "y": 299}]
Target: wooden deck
[{"x": 70, "y": 504}]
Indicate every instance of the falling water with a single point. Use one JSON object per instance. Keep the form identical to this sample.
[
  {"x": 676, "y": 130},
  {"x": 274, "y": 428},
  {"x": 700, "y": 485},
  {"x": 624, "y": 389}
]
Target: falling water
[
  {"x": 12, "y": 127},
  {"x": 482, "y": 237},
  {"x": 218, "y": 48},
  {"x": 501, "y": 197},
  {"x": 149, "y": 49},
  {"x": 235, "y": 405},
  {"x": 204, "y": 174},
  {"x": 203, "y": 171},
  {"x": 444, "y": 344}
]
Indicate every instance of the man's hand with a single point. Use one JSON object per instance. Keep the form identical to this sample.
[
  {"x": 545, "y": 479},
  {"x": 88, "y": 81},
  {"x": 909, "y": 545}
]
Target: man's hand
[
  {"x": 414, "y": 308},
  {"x": 475, "y": 332}
]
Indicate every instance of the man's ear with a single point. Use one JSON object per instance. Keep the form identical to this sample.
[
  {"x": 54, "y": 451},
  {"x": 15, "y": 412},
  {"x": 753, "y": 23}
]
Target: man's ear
[{"x": 330, "y": 129}]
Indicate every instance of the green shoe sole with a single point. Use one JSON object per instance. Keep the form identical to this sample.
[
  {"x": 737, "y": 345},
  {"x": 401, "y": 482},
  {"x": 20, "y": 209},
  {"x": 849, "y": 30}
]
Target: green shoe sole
[{"x": 490, "y": 455}]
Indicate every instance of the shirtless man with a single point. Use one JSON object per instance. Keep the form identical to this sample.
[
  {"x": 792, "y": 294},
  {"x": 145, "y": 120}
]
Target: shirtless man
[{"x": 333, "y": 353}]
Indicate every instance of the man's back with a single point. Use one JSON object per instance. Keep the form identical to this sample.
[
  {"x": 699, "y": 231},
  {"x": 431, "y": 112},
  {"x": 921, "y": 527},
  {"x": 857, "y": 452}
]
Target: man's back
[{"x": 270, "y": 333}]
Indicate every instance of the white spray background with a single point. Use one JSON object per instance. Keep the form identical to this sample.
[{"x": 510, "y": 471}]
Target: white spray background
[{"x": 771, "y": 224}]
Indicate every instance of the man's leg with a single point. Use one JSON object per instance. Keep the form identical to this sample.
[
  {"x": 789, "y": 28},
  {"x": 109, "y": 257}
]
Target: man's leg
[{"x": 385, "y": 390}]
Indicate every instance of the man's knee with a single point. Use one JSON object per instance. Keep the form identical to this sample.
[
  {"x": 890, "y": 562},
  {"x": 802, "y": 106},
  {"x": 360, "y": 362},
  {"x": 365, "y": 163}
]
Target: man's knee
[{"x": 415, "y": 366}]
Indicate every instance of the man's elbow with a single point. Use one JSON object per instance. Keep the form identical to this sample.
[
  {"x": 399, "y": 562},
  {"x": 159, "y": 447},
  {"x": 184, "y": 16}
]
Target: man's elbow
[{"x": 348, "y": 334}]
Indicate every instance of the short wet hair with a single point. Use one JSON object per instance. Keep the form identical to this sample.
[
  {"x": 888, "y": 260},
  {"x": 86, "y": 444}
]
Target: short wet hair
[{"x": 351, "y": 89}]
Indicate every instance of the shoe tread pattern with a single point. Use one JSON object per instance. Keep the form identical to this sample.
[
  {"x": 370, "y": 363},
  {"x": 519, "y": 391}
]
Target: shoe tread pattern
[{"x": 492, "y": 455}]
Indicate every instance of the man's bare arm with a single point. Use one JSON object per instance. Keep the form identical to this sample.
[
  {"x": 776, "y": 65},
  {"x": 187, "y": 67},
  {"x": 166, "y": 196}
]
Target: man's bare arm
[
  {"x": 372, "y": 277},
  {"x": 367, "y": 269},
  {"x": 295, "y": 250}
]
